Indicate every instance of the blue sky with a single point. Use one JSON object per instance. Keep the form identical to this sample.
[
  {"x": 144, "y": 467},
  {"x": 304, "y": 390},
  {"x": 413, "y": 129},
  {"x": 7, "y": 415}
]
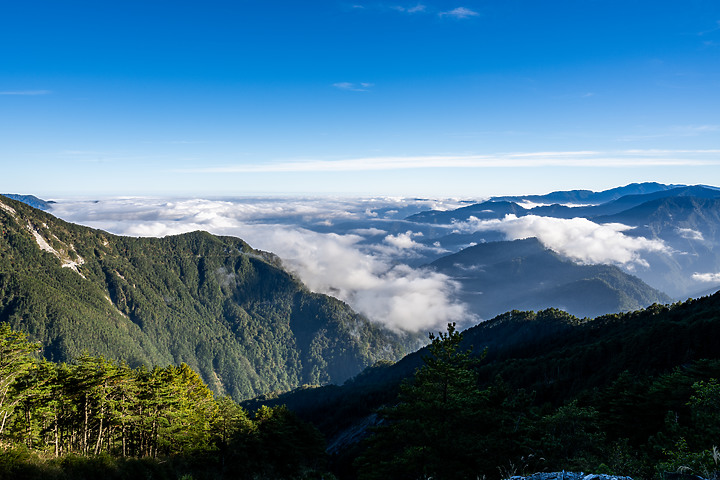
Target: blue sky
[{"x": 431, "y": 98}]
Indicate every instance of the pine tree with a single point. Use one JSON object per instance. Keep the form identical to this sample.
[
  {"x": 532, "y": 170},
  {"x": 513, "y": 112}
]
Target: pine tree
[
  {"x": 430, "y": 432},
  {"x": 15, "y": 360}
]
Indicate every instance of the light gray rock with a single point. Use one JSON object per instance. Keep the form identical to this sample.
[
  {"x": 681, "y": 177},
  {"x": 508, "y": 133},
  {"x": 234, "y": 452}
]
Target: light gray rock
[{"x": 569, "y": 476}]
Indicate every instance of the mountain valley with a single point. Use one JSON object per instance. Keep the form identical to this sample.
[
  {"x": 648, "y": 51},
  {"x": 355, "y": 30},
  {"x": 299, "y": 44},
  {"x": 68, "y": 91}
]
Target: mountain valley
[{"x": 230, "y": 312}]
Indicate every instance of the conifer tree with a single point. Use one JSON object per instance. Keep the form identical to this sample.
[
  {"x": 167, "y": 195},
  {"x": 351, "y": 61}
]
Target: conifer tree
[
  {"x": 15, "y": 360},
  {"x": 430, "y": 432}
]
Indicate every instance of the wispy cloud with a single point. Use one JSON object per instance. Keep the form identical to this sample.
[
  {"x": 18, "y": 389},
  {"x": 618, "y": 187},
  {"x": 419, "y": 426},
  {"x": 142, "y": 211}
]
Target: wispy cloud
[
  {"x": 26, "y": 92},
  {"x": 697, "y": 129},
  {"x": 82, "y": 152},
  {"x": 711, "y": 30},
  {"x": 674, "y": 132},
  {"x": 689, "y": 234},
  {"x": 460, "y": 12},
  {"x": 175, "y": 142},
  {"x": 416, "y": 9},
  {"x": 625, "y": 158},
  {"x": 353, "y": 87}
]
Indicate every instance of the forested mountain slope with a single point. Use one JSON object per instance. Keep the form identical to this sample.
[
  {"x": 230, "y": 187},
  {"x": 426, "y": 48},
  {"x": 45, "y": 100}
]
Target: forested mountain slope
[
  {"x": 230, "y": 312},
  {"x": 550, "y": 353}
]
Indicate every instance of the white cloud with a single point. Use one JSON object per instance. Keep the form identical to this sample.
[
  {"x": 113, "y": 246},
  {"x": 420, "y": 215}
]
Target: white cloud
[
  {"x": 369, "y": 232},
  {"x": 366, "y": 277},
  {"x": 404, "y": 240},
  {"x": 400, "y": 297},
  {"x": 460, "y": 12},
  {"x": 707, "y": 277},
  {"x": 577, "y": 238},
  {"x": 528, "y": 205},
  {"x": 625, "y": 158},
  {"x": 689, "y": 234},
  {"x": 295, "y": 210}
]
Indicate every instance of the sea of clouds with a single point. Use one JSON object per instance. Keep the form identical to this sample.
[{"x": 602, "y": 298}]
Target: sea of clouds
[
  {"x": 360, "y": 250},
  {"x": 370, "y": 275}
]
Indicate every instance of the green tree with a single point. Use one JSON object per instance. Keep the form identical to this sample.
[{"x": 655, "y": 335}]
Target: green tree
[
  {"x": 705, "y": 411},
  {"x": 431, "y": 432},
  {"x": 571, "y": 438},
  {"x": 37, "y": 390},
  {"x": 16, "y": 359}
]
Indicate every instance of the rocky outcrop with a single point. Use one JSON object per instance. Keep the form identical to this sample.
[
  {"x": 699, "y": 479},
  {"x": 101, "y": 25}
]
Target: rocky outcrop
[{"x": 569, "y": 476}]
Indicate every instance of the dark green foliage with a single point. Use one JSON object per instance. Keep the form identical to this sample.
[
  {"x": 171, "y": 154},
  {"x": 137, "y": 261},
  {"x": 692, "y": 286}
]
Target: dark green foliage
[
  {"x": 625, "y": 394},
  {"x": 279, "y": 445},
  {"x": 426, "y": 434},
  {"x": 98, "y": 419},
  {"x": 228, "y": 311}
]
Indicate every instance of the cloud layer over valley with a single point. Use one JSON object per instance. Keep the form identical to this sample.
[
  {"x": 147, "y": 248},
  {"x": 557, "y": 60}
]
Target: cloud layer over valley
[
  {"x": 367, "y": 275},
  {"x": 365, "y": 252}
]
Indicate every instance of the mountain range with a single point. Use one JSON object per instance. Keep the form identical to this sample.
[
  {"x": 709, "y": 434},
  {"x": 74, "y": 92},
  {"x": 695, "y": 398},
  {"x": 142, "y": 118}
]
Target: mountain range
[
  {"x": 682, "y": 221},
  {"x": 250, "y": 327},
  {"x": 230, "y": 312}
]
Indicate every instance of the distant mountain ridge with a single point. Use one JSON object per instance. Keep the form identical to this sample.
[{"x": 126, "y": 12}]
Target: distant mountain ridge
[
  {"x": 499, "y": 207},
  {"x": 524, "y": 275},
  {"x": 482, "y": 211},
  {"x": 588, "y": 196},
  {"x": 31, "y": 200},
  {"x": 683, "y": 218},
  {"x": 228, "y": 311}
]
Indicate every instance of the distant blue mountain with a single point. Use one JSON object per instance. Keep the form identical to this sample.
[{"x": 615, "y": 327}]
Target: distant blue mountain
[
  {"x": 590, "y": 197},
  {"x": 31, "y": 200},
  {"x": 623, "y": 203},
  {"x": 686, "y": 219},
  {"x": 690, "y": 227},
  {"x": 498, "y": 207},
  {"x": 482, "y": 211},
  {"x": 523, "y": 274}
]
